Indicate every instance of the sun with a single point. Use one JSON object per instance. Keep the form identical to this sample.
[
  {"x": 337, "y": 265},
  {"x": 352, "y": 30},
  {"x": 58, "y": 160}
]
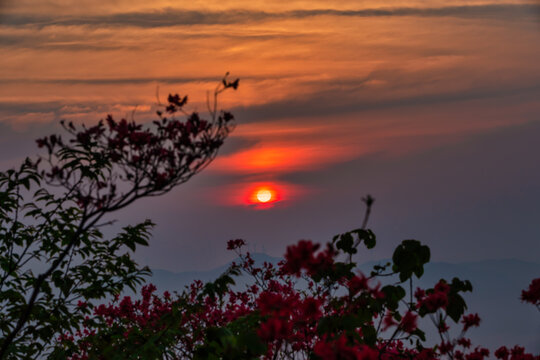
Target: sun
[{"x": 264, "y": 195}]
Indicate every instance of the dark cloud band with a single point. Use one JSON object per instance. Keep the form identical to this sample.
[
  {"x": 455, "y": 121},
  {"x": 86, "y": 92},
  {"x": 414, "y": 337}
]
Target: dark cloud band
[{"x": 174, "y": 17}]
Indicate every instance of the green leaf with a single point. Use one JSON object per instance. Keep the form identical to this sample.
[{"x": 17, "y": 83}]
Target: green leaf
[
  {"x": 346, "y": 243},
  {"x": 393, "y": 294},
  {"x": 368, "y": 237},
  {"x": 410, "y": 257}
]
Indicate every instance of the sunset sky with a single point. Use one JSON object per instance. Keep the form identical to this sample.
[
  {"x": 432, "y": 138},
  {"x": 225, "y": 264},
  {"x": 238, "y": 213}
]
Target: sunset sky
[{"x": 432, "y": 107}]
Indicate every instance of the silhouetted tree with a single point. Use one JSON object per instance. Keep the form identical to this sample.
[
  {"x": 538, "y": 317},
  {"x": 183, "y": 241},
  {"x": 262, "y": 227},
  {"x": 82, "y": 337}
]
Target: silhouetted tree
[{"x": 98, "y": 170}]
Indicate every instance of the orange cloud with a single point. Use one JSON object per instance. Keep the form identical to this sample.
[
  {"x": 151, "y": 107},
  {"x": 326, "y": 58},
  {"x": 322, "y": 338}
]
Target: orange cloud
[{"x": 270, "y": 158}]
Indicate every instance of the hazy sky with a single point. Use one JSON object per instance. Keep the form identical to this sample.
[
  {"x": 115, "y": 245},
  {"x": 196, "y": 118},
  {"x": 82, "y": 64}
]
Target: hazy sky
[{"x": 433, "y": 107}]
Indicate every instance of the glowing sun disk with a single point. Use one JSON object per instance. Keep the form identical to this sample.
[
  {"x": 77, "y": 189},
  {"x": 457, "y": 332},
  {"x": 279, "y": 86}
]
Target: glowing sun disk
[{"x": 264, "y": 195}]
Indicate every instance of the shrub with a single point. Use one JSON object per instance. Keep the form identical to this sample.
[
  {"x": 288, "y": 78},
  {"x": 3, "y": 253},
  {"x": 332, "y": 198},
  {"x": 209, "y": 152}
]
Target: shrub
[{"x": 313, "y": 305}]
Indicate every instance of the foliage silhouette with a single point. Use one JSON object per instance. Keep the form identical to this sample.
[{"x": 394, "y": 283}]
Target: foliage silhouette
[
  {"x": 99, "y": 170},
  {"x": 312, "y": 305}
]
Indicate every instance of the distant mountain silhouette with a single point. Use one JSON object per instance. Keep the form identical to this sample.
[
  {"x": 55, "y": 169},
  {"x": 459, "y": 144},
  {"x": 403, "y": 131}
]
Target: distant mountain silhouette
[{"x": 497, "y": 286}]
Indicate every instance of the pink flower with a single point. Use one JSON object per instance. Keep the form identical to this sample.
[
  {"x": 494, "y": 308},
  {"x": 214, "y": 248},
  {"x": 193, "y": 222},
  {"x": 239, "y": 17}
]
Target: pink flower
[
  {"x": 470, "y": 321},
  {"x": 408, "y": 322},
  {"x": 532, "y": 295}
]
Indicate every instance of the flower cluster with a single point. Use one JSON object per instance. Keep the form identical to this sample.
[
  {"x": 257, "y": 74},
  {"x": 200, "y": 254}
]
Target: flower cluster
[
  {"x": 289, "y": 311},
  {"x": 532, "y": 294},
  {"x": 516, "y": 353},
  {"x": 435, "y": 299},
  {"x": 302, "y": 257}
]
